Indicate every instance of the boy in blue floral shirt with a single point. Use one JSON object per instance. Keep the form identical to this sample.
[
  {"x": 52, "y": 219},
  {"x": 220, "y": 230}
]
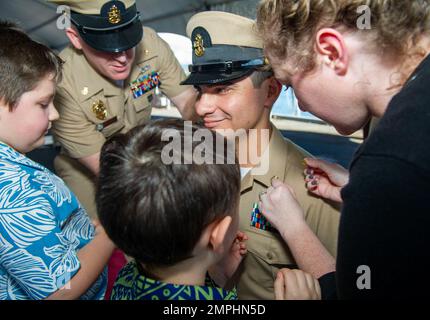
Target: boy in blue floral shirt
[
  {"x": 48, "y": 246},
  {"x": 173, "y": 207}
]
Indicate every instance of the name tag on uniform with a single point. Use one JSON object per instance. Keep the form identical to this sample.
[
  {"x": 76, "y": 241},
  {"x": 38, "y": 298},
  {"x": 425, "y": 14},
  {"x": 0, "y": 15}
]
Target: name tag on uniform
[
  {"x": 144, "y": 84},
  {"x": 259, "y": 221}
]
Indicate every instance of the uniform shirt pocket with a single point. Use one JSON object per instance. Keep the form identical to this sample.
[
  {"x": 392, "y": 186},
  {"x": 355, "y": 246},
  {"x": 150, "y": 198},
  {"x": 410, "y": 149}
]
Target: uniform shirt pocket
[
  {"x": 270, "y": 247},
  {"x": 143, "y": 88},
  {"x": 144, "y": 101}
]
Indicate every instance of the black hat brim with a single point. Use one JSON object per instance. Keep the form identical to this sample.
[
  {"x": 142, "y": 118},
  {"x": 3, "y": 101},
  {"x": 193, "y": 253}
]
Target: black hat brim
[
  {"x": 118, "y": 40},
  {"x": 206, "y": 78}
]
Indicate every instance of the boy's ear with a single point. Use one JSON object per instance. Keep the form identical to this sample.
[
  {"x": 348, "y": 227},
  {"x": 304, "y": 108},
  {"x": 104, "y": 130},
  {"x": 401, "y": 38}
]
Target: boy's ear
[
  {"x": 74, "y": 38},
  {"x": 218, "y": 233},
  {"x": 331, "y": 46}
]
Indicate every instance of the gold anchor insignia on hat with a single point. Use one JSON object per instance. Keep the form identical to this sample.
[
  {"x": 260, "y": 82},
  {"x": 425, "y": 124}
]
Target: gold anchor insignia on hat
[
  {"x": 100, "y": 110},
  {"x": 114, "y": 15},
  {"x": 199, "y": 49}
]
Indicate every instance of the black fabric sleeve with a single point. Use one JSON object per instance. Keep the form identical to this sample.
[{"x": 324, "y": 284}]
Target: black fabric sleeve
[
  {"x": 383, "y": 236},
  {"x": 328, "y": 286}
]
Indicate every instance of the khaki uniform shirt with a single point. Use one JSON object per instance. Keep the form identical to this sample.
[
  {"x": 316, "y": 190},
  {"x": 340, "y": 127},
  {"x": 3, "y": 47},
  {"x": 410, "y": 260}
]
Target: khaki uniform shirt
[
  {"x": 80, "y": 132},
  {"x": 267, "y": 251}
]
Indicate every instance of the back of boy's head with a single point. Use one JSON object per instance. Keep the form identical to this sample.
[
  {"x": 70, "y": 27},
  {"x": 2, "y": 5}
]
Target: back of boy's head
[
  {"x": 156, "y": 212},
  {"x": 23, "y": 63}
]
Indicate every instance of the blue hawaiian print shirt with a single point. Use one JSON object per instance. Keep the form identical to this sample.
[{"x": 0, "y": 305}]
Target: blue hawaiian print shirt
[{"x": 42, "y": 227}]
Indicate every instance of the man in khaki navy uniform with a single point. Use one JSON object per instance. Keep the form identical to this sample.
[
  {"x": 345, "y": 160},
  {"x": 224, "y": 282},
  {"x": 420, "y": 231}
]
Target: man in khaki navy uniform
[
  {"x": 109, "y": 78},
  {"x": 237, "y": 91}
]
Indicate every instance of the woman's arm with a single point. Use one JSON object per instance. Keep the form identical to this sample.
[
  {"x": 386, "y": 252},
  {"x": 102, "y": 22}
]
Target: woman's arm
[{"x": 283, "y": 211}]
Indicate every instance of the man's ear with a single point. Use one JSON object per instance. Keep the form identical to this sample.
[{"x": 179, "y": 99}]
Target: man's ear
[
  {"x": 218, "y": 233},
  {"x": 273, "y": 92},
  {"x": 331, "y": 46},
  {"x": 74, "y": 38}
]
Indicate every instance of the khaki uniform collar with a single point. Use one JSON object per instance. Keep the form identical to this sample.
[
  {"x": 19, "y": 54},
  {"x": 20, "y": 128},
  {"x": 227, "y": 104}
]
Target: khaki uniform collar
[
  {"x": 142, "y": 54},
  {"x": 247, "y": 182},
  {"x": 278, "y": 162}
]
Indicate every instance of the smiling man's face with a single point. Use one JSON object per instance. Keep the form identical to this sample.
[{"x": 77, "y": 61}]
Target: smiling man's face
[{"x": 234, "y": 105}]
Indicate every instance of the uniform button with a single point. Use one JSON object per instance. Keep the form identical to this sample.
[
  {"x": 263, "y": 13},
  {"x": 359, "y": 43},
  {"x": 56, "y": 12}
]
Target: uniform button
[{"x": 269, "y": 255}]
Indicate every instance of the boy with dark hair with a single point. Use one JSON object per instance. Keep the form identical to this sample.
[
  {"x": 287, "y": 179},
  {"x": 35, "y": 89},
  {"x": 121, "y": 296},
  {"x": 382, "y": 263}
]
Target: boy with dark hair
[{"x": 177, "y": 220}]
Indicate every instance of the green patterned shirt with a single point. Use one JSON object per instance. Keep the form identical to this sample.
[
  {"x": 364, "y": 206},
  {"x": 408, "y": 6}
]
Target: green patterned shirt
[{"x": 131, "y": 285}]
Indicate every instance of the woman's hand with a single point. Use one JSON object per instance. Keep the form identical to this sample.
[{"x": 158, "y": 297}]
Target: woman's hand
[
  {"x": 325, "y": 179},
  {"x": 280, "y": 207},
  {"x": 296, "y": 285}
]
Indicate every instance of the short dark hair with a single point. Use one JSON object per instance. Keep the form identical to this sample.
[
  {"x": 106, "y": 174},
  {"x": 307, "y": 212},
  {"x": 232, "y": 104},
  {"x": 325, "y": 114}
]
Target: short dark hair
[
  {"x": 23, "y": 63},
  {"x": 156, "y": 212},
  {"x": 259, "y": 76}
]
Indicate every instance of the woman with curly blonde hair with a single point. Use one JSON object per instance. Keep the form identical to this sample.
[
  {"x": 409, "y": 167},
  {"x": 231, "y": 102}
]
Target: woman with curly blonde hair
[{"x": 348, "y": 60}]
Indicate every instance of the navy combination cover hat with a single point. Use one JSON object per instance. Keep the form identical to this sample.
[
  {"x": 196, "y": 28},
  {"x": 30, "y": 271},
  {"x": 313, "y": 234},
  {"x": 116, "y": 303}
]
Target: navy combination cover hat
[
  {"x": 226, "y": 47},
  {"x": 110, "y": 26}
]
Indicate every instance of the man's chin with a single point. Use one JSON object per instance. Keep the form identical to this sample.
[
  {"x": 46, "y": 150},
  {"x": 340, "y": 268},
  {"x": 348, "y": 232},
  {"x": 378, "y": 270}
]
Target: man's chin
[{"x": 119, "y": 76}]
